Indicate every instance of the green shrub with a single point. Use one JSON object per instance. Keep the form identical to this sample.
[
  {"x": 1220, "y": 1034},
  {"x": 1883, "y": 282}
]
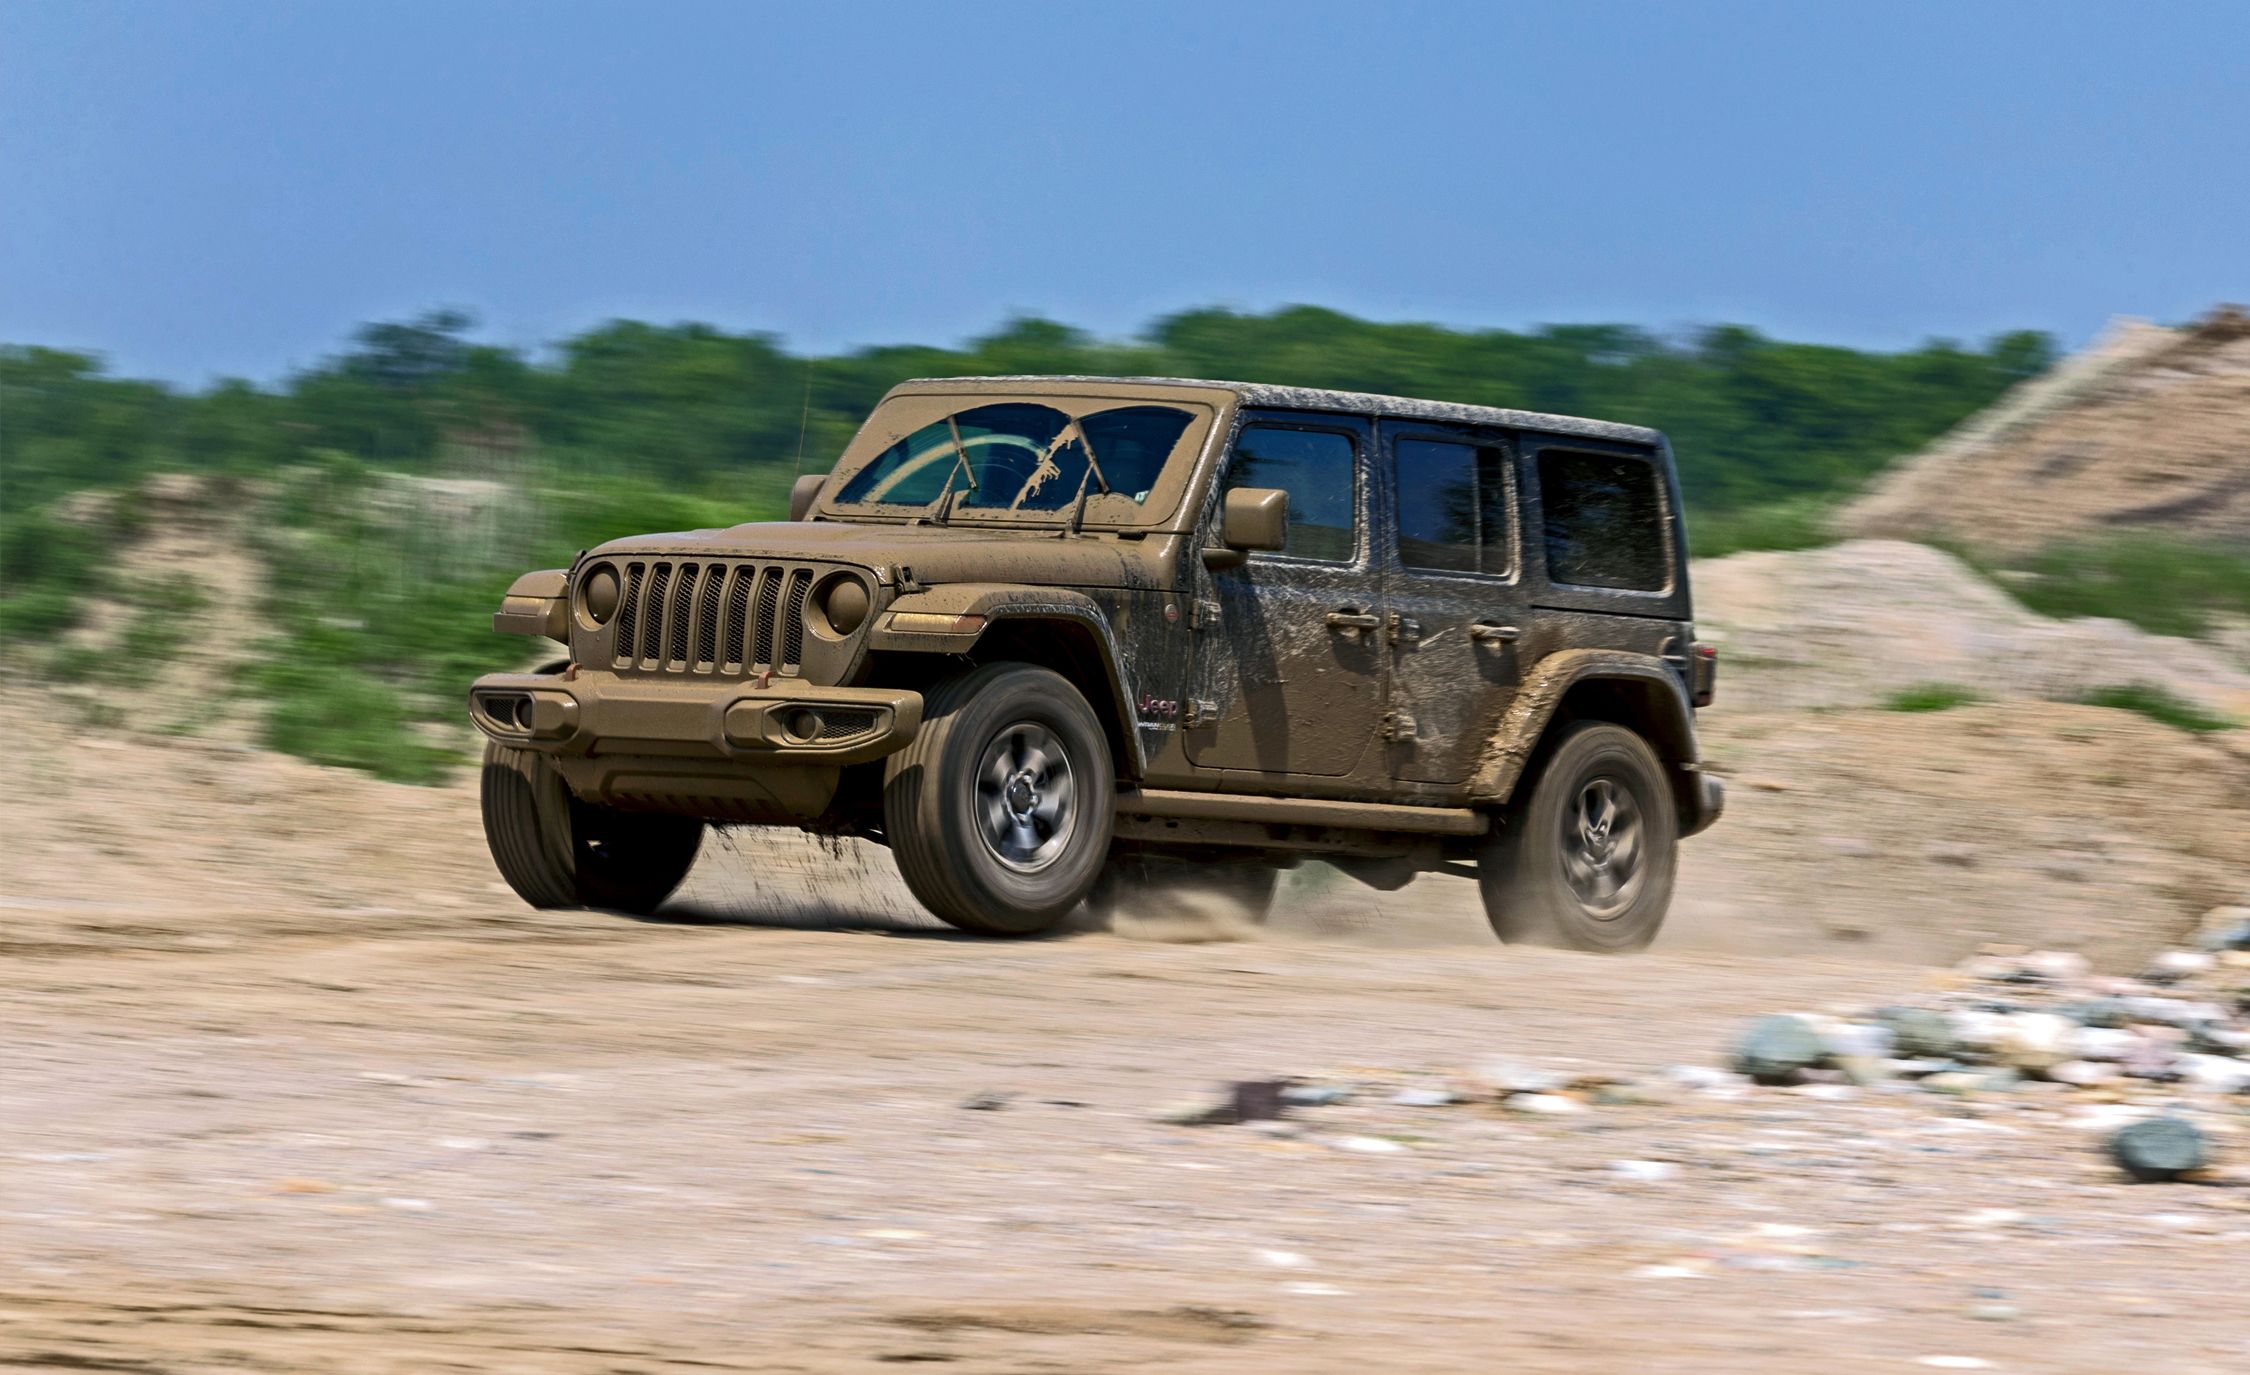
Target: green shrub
[
  {"x": 2158, "y": 705},
  {"x": 1797, "y": 524},
  {"x": 336, "y": 715},
  {"x": 49, "y": 568},
  {"x": 1931, "y": 697},
  {"x": 2165, "y": 584}
]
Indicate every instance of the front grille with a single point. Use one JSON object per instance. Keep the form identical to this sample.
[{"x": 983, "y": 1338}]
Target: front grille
[{"x": 715, "y": 616}]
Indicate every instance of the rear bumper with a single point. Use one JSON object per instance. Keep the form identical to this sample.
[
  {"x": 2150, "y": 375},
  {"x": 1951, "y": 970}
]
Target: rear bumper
[
  {"x": 1708, "y": 798},
  {"x": 784, "y": 723}
]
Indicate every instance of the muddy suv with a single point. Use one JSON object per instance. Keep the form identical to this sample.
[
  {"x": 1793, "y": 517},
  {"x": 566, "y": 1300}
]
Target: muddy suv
[{"x": 1057, "y": 640}]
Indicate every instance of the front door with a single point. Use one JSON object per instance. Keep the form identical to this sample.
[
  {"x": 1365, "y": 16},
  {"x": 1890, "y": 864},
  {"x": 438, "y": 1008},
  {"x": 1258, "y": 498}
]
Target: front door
[
  {"x": 1289, "y": 646},
  {"x": 1456, "y": 597}
]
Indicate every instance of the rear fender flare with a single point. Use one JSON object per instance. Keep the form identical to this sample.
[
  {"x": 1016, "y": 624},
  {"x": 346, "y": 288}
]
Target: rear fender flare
[{"x": 1523, "y": 727}]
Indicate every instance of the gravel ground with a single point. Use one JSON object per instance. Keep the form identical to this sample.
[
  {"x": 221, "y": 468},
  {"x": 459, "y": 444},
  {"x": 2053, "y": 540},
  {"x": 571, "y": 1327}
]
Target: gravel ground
[{"x": 288, "y": 1083}]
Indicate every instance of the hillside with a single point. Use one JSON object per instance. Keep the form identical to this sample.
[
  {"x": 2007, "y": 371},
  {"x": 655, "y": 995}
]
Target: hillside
[{"x": 2149, "y": 429}]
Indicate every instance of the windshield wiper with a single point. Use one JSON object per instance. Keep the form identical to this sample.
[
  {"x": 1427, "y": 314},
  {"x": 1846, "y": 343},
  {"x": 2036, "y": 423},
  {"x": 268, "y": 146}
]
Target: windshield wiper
[
  {"x": 943, "y": 506},
  {"x": 1092, "y": 474}
]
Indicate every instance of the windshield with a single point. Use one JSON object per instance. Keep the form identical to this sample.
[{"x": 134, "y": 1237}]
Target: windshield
[{"x": 1021, "y": 456}]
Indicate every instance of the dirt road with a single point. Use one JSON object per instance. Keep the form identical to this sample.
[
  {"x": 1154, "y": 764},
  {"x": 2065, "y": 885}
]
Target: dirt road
[{"x": 288, "y": 1083}]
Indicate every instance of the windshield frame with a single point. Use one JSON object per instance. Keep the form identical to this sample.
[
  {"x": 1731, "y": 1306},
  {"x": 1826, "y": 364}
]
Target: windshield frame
[{"x": 910, "y": 408}]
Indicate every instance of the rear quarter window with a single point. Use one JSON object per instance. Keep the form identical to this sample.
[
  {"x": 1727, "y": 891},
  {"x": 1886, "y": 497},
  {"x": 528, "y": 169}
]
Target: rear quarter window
[{"x": 1603, "y": 516}]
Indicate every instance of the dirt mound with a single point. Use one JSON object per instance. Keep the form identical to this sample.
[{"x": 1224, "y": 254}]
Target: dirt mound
[
  {"x": 2148, "y": 428},
  {"x": 1852, "y": 624},
  {"x": 179, "y": 617}
]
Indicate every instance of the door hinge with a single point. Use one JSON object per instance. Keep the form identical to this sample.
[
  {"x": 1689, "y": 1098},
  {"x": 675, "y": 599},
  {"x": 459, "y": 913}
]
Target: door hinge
[
  {"x": 1197, "y": 711},
  {"x": 1203, "y": 615},
  {"x": 1398, "y": 725}
]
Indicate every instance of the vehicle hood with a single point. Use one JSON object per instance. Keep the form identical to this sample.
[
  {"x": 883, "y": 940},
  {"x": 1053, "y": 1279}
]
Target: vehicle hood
[{"x": 933, "y": 553}]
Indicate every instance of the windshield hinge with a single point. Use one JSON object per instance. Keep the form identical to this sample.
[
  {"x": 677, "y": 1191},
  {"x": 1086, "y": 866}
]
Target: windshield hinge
[{"x": 1203, "y": 615}]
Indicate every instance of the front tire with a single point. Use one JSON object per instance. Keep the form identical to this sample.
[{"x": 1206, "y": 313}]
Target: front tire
[
  {"x": 1587, "y": 861},
  {"x": 999, "y": 811},
  {"x": 557, "y": 851}
]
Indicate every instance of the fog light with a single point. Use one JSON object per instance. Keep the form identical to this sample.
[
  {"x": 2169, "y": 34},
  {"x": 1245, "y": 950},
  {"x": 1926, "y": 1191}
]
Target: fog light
[{"x": 804, "y": 724}]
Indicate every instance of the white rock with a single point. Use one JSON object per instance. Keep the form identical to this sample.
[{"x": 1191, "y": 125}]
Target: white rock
[
  {"x": 2215, "y": 1073},
  {"x": 2179, "y": 964},
  {"x": 1826, "y": 1093},
  {"x": 2035, "y": 1042},
  {"x": 1974, "y": 1028},
  {"x": 2058, "y": 965},
  {"x": 1645, "y": 1171},
  {"x": 1545, "y": 1104},
  {"x": 1856, "y": 1040},
  {"x": 2082, "y": 1073},
  {"x": 2104, "y": 1043},
  {"x": 1423, "y": 1098},
  {"x": 1367, "y": 1145},
  {"x": 1705, "y": 1078},
  {"x": 1509, "y": 1076}
]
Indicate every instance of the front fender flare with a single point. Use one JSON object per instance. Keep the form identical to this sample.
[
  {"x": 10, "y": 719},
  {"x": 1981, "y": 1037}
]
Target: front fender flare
[{"x": 953, "y": 618}]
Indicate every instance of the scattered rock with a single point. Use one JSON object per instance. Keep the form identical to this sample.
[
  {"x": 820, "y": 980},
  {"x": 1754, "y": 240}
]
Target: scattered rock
[
  {"x": 1250, "y": 1100},
  {"x": 1775, "y": 1049},
  {"x": 1545, "y": 1104},
  {"x": 1918, "y": 1031},
  {"x": 2158, "y": 1149},
  {"x": 1645, "y": 1171},
  {"x": 1505, "y": 1077},
  {"x": 2035, "y": 1042}
]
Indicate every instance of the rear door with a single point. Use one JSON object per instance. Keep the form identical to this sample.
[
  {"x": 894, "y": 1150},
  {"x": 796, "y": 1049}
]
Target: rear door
[
  {"x": 1455, "y": 594},
  {"x": 1289, "y": 646}
]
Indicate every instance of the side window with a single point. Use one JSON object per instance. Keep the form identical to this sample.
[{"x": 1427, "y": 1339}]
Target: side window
[
  {"x": 1453, "y": 507},
  {"x": 1604, "y": 520},
  {"x": 1315, "y": 468}
]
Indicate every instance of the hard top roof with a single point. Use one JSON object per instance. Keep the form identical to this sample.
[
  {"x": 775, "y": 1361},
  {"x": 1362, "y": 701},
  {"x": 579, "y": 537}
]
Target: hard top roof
[{"x": 1353, "y": 402}]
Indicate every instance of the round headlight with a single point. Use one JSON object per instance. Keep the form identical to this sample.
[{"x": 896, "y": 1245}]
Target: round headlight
[
  {"x": 843, "y": 603},
  {"x": 598, "y": 594}
]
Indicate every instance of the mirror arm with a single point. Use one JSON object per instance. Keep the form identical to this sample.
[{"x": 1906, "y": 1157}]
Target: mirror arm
[{"x": 1221, "y": 556}]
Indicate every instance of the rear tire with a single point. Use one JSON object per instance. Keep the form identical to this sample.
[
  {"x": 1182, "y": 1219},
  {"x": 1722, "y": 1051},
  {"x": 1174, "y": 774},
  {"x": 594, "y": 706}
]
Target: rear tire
[
  {"x": 999, "y": 811},
  {"x": 557, "y": 851},
  {"x": 1148, "y": 883},
  {"x": 1587, "y": 860}
]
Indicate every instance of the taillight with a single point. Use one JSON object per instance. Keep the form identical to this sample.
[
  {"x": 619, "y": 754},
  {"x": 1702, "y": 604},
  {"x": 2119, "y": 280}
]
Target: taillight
[{"x": 1703, "y": 674}]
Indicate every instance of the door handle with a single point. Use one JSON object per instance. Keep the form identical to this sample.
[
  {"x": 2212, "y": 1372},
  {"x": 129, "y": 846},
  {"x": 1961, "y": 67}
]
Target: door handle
[
  {"x": 1495, "y": 634},
  {"x": 1357, "y": 622}
]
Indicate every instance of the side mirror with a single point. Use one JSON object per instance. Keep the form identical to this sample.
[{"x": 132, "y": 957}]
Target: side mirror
[
  {"x": 806, "y": 494},
  {"x": 1252, "y": 518}
]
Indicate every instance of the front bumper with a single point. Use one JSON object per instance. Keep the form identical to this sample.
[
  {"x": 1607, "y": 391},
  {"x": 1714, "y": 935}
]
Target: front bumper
[{"x": 786, "y": 722}]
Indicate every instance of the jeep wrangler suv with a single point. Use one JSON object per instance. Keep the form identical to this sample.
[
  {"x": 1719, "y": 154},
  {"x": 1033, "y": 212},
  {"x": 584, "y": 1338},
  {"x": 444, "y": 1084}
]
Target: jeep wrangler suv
[{"x": 1058, "y": 639}]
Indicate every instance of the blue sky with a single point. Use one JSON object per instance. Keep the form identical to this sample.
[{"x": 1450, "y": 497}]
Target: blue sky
[{"x": 202, "y": 188}]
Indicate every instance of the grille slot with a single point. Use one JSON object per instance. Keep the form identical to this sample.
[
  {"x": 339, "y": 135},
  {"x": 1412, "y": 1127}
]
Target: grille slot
[
  {"x": 729, "y": 618},
  {"x": 793, "y": 619}
]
